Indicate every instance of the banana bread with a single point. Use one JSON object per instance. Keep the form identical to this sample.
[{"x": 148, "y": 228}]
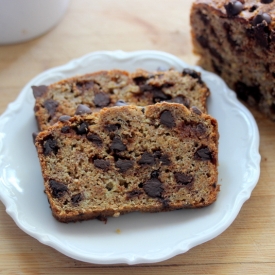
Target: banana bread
[
  {"x": 236, "y": 40},
  {"x": 111, "y": 88},
  {"x": 128, "y": 158}
]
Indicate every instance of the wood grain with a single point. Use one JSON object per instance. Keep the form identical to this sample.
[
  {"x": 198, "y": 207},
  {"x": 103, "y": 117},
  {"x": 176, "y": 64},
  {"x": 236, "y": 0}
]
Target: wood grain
[{"x": 247, "y": 246}]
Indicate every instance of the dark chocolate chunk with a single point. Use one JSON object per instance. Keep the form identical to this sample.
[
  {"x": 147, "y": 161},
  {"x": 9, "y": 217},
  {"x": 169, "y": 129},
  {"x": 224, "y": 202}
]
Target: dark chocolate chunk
[
  {"x": 124, "y": 165},
  {"x": 82, "y": 128},
  {"x": 203, "y": 17},
  {"x": 76, "y": 198},
  {"x": 38, "y": 91},
  {"x": 147, "y": 158},
  {"x": 94, "y": 138},
  {"x": 180, "y": 99},
  {"x": 102, "y": 164},
  {"x": 51, "y": 106},
  {"x": 196, "y": 110},
  {"x": 140, "y": 80},
  {"x": 157, "y": 154},
  {"x": 58, "y": 189},
  {"x": 82, "y": 109},
  {"x": 182, "y": 178},
  {"x": 50, "y": 145},
  {"x": 261, "y": 34},
  {"x": 245, "y": 92},
  {"x": 153, "y": 187},
  {"x": 134, "y": 193},
  {"x": 233, "y": 8},
  {"x": 85, "y": 85},
  {"x": 101, "y": 100},
  {"x": 266, "y": 1},
  {"x": 117, "y": 144},
  {"x": 192, "y": 73},
  {"x": 121, "y": 103},
  {"x": 253, "y": 8},
  {"x": 165, "y": 160},
  {"x": 216, "y": 68},
  {"x": 216, "y": 54},
  {"x": 155, "y": 174},
  {"x": 34, "y": 135},
  {"x": 64, "y": 118},
  {"x": 159, "y": 95},
  {"x": 167, "y": 119},
  {"x": 65, "y": 129},
  {"x": 260, "y": 17},
  {"x": 112, "y": 127},
  {"x": 203, "y": 153},
  {"x": 203, "y": 41}
]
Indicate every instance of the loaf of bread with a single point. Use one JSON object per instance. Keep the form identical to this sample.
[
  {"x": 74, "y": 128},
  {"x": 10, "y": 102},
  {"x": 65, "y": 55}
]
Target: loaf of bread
[
  {"x": 111, "y": 88},
  {"x": 236, "y": 40},
  {"x": 123, "y": 159}
]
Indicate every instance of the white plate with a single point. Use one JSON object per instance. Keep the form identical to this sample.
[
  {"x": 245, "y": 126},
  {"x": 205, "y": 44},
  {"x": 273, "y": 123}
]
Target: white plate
[{"x": 136, "y": 237}]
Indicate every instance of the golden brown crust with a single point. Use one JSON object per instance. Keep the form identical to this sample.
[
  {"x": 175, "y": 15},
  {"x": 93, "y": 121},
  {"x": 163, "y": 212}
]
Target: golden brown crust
[{"x": 123, "y": 159}]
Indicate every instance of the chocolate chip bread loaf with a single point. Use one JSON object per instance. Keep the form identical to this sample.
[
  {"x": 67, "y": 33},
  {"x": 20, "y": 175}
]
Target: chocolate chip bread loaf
[
  {"x": 110, "y": 88},
  {"x": 122, "y": 159},
  {"x": 236, "y": 39}
]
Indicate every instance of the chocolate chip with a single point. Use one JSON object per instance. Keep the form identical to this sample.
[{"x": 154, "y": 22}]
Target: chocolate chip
[
  {"x": 117, "y": 144},
  {"x": 167, "y": 119},
  {"x": 157, "y": 154},
  {"x": 155, "y": 174},
  {"x": 94, "y": 139},
  {"x": 82, "y": 109},
  {"x": 192, "y": 73},
  {"x": 58, "y": 189},
  {"x": 246, "y": 93},
  {"x": 261, "y": 34},
  {"x": 133, "y": 193},
  {"x": 140, "y": 80},
  {"x": 147, "y": 158},
  {"x": 38, "y": 91},
  {"x": 34, "y": 135},
  {"x": 51, "y": 106},
  {"x": 196, "y": 110},
  {"x": 159, "y": 96},
  {"x": 180, "y": 99},
  {"x": 165, "y": 203},
  {"x": 101, "y": 100},
  {"x": 165, "y": 160},
  {"x": 203, "y": 17},
  {"x": 203, "y": 41},
  {"x": 266, "y": 1},
  {"x": 85, "y": 85},
  {"x": 204, "y": 154},
  {"x": 124, "y": 165},
  {"x": 50, "y": 145},
  {"x": 64, "y": 118},
  {"x": 82, "y": 128},
  {"x": 183, "y": 178},
  {"x": 112, "y": 127},
  {"x": 260, "y": 17},
  {"x": 102, "y": 164},
  {"x": 233, "y": 8},
  {"x": 121, "y": 103},
  {"x": 65, "y": 129},
  {"x": 253, "y": 8},
  {"x": 76, "y": 198},
  {"x": 153, "y": 187}
]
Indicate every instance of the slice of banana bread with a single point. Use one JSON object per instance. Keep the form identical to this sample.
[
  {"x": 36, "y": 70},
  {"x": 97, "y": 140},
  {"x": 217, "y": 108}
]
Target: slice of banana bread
[
  {"x": 122, "y": 159},
  {"x": 236, "y": 39},
  {"x": 115, "y": 87}
]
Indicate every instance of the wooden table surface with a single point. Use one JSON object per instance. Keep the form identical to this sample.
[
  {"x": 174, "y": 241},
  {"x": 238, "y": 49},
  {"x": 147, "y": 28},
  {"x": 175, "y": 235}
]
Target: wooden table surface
[{"x": 247, "y": 246}]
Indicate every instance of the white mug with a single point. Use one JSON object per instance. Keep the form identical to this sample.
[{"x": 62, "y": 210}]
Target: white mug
[{"x": 22, "y": 20}]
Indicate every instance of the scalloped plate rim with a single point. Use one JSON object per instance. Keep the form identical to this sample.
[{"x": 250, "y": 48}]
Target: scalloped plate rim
[{"x": 182, "y": 247}]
